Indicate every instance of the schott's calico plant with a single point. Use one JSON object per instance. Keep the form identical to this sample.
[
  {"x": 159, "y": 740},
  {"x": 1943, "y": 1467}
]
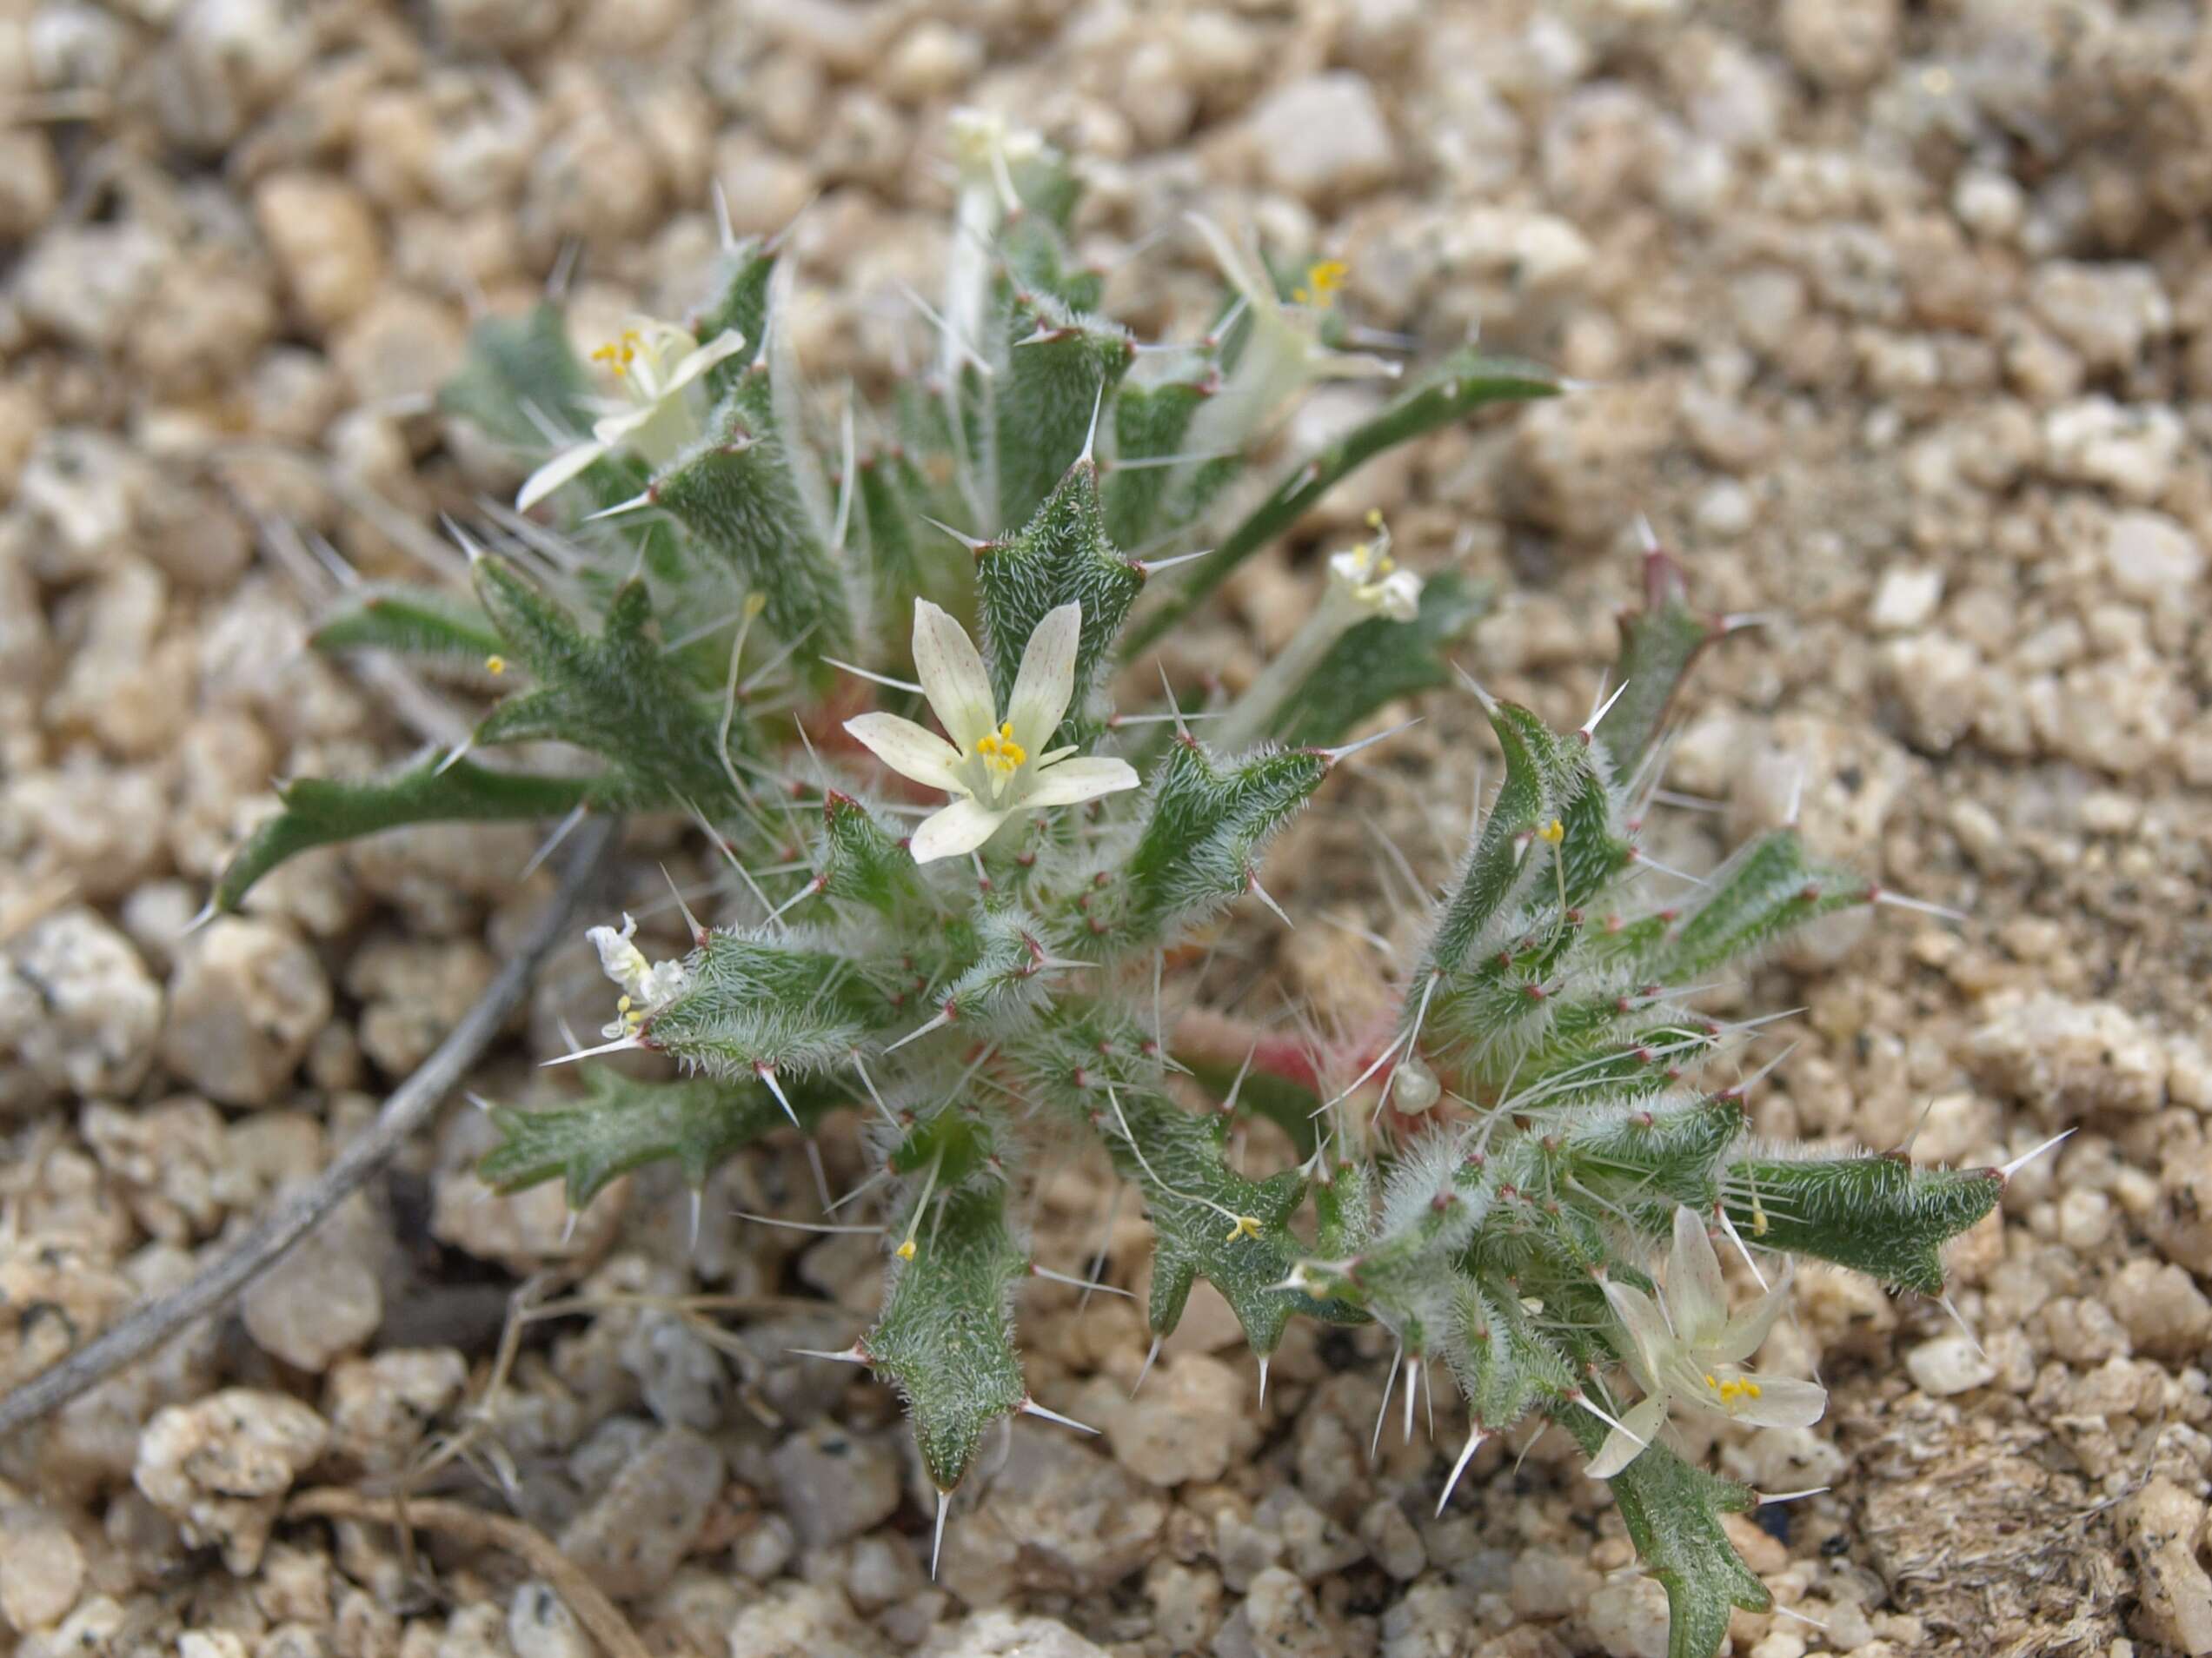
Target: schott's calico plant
[{"x": 879, "y": 673}]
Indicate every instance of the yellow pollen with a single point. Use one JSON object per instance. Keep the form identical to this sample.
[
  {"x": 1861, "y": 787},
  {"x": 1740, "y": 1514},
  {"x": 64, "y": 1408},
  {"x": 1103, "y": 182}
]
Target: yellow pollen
[
  {"x": 1374, "y": 518},
  {"x": 622, "y": 1006},
  {"x": 1552, "y": 832},
  {"x": 1751, "y": 1387},
  {"x": 1247, "y": 1226},
  {"x": 999, "y": 751},
  {"x": 1322, "y": 278},
  {"x": 494, "y": 665},
  {"x": 1711, "y": 1380},
  {"x": 617, "y": 355},
  {"x": 906, "y": 1250}
]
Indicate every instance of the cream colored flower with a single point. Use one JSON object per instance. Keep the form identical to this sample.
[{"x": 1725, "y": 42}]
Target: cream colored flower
[
  {"x": 995, "y": 765},
  {"x": 646, "y": 985},
  {"x": 1684, "y": 1349},
  {"x": 1366, "y": 576},
  {"x": 661, "y": 371}
]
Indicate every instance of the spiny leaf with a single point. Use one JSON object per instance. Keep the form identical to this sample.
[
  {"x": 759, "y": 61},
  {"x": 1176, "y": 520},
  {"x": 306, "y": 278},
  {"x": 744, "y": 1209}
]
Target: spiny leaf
[
  {"x": 751, "y": 1002},
  {"x": 1657, "y": 645},
  {"x": 1380, "y": 661},
  {"x": 1878, "y": 1214},
  {"x": 1766, "y": 889},
  {"x": 619, "y": 695},
  {"x": 320, "y": 812},
  {"x": 862, "y": 860},
  {"x": 1205, "y": 829},
  {"x": 624, "y": 1124},
  {"x": 1672, "y": 1512},
  {"x": 740, "y": 301},
  {"x": 414, "y": 621},
  {"x": 514, "y": 365},
  {"x": 1150, "y": 422},
  {"x": 945, "y": 1339},
  {"x": 1455, "y": 388}
]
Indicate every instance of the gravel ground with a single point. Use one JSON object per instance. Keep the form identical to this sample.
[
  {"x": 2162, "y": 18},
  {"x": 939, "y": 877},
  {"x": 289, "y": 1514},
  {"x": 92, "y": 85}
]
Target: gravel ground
[{"x": 1897, "y": 322}]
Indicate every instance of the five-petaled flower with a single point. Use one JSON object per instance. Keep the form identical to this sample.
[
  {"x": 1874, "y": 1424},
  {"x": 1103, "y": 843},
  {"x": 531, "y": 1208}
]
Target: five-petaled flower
[
  {"x": 1684, "y": 1349},
  {"x": 646, "y": 985},
  {"x": 661, "y": 371},
  {"x": 995, "y": 765}
]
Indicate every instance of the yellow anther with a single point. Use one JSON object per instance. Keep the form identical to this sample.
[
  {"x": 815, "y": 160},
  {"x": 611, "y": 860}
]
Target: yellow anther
[
  {"x": 1758, "y": 1216},
  {"x": 1711, "y": 1380},
  {"x": 999, "y": 751},
  {"x": 622, "y": 1006},
  {"x": 906, "y": 1250},
  {"x": 1751, "y": 1388},
  {"x": 1552, "y": 832},
  {"x": 1247, "y": 1226},
  {"x": 494, "y": 665},
  {"x": 1322, "y": 278},
  {"x": 1384, "y": 565},
  {"x": 1374, "y": 518},
  {"x": 755, "y": 603}
]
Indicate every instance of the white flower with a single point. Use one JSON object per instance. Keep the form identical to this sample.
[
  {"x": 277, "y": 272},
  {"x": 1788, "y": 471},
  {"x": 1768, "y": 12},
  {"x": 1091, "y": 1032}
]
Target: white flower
[
  {"x": 1283, "y": 353},
  {"x": 995, "y": 767},
  {"x": 661, "y": 371},
  {"x": 1366, "y": 576},
  {"x": 1684, "y": 1349},
  {"x": 646, "y": 985}
]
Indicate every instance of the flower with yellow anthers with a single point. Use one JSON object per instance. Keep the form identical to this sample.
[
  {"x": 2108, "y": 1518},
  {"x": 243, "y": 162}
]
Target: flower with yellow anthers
[
  {"x": 1243, "y": 1226},
  {"x": 1552, "y": 832},
  {"x": 646, "y": 985},
  {"x": 1684, "y": 1349},
  {"x": 1282, "y": 351},
  {"x": 494, "y": 665},
  {"x": 1368, "y": 577},
  {"x": 661, "y": 372},
  {"x": 995, "y": 765},
  {"x": 1322, "y": 278}
]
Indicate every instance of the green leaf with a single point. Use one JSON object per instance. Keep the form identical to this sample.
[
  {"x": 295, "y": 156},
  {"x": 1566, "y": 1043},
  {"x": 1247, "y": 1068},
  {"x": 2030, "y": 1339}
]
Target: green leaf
[
  {"x": 515, "y": 365},
  {"x": 1380, "y": 661},
  {"x": 1769, "y": 887},
  {"x": 1061, "y": 555},
  {"x": 414, "y": 621},
  {"x": 1657, "y": 645},
  {"x": 1150, "y": 422},
  {"x": 319, "y": 811},
  {"x": 740, "y": 495},
  {"x": 740, "y": 301},
  {"x": 1672, "y": 1512},
  {"x": 1462, "y": 383},
  {"x": 624, "y": 1124},
  {"x": 861, "y": 860},
  {"x": 1059, "y": 366},
  {"x": 1878, "y": 1214},
  {"x": 1204, "y": 832},
  {"x": 753, "y": 1003},
  {"x": 945, "y": 1339},
  {"x": 619, "y": 695}
]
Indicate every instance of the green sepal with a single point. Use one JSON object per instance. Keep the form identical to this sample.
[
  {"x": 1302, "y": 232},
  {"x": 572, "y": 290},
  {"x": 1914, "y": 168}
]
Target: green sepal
[
  {"x": 739, "y": 493},
  {"x": 1658, "y": 643},
  {"x": 1769, "y": 887},
  {"x": 624, "y": 1124},
  {"x": 1380, "y": 661},
  {"x": 514, "y": 365},
  {"x": 319, "y": 811},
  {"x": 1878, "y": 1214},
  {"x": 619, "y": 695},
  {"x": 1455, "y": 388},
  {"x": 1061, "y": 556},
  {"x": 752, "y": 1003},
  {"x": 740, "y": 301},
  {"x": 1060, "y": 367},
  {"x": 862, "y": 860},
  {"x": 413, "y": 621},
  {"x": 945, "y": 1339},
  {"x": 1672, "y": 1511},
  {"x": 1205, "y": 829}
]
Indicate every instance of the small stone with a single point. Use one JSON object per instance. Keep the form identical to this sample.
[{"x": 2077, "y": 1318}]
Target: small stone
[
  {"x": 166, "y": 1157},
  {"x": 2160, "y": 1306},
  {"x": 244, "y": 1004},
  {"x": 380, "y": 1407},
  {"x": 930, "y": 60},
  {"x": 997, "y": 1634},
  {"x": 1393, "y": 1540},
  {"x": 1279, "y": 1619},
  {"x": 1840, "y": 44},
  {"x": 2070, "y": 1060},
  {"x": 632, "y": 1538},
  {"x": 2152, "y": 557},
  {"x": 325, "y": 239},
  {"x": 1055, "y": 1517},
  {"x": 2130, "y": 449},
  {"x": 2161, "y": 1523},
  {"x": 413, "y": 991},
  {"x": 1191, "y": 1421},
  {"x": 1628, "y": 1619},
  {"x": 1546, "y": 1584},
  {"x": 834, "y": 1485},
  {"x": 1322, "y": 137},
  {"x": 79, "y": 1013},
  {"x": 2109, "y": 313},
  {"x": 225, "y": 62},
  {"x": 802, "y": 1620},
  {"x": 41, "y": 1569},
  {"x": 31, "y": 182},
  {"x": 882, "y": 1572},
  {"x": 1724, "y": 510},
  {"x": 1948, "y": 1364},
  {"x": 1906, "y": 598},
  {"x": 324, "y": 1299},
  {"x": 540, "y": 1625},
  {"x": 84, "y": 282},
  {"x": 221, "y": 1467}
]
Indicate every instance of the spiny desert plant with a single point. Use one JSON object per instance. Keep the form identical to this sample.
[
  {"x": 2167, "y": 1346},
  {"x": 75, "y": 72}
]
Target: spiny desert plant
[{"x": 963, "y": 930}]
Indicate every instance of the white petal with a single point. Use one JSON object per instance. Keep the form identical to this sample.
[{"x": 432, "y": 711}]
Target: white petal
[
  {"x": 1047, "y": 682},
  {"x": 952, "y": 676},
  {"x": 1650, "y": 1340},
  {"x": 571, "y": 462},
  {"x": 1073, "y": 781},
  {"x": 1245, "y": 274},
  {"x": 1643, "y": 1425},
  {"x": 1696, "y": 1299},
  {"x": 1748, "y": 1328},
  {"x": 961, "y": 827},
  {"x": 910, "y": 750},
  {"x": 724, "y": 345},
  {"x": 1783, "y": 1402},
  {"x": 611, "y": 429}
]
